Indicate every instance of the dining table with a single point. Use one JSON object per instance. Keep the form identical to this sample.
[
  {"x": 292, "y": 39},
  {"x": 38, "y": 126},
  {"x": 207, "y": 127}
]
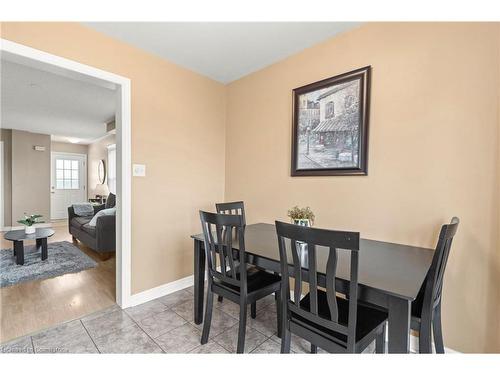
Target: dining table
[{"x": 390, "y": 275}]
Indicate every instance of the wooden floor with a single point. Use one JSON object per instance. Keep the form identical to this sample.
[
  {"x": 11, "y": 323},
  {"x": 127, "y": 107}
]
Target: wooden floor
[{"x": 29, "y": 307}]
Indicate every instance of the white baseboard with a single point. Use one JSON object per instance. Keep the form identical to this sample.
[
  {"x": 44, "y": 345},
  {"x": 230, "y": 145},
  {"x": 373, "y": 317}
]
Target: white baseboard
[{"x": 160, "y": 291}]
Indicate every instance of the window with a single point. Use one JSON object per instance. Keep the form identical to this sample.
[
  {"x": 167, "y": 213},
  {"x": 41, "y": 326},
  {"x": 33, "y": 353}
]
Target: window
[
  {"x": 67, "y": 174},
  {"x": 329, "y": 110},
  {"x": 112, "y": 168}
]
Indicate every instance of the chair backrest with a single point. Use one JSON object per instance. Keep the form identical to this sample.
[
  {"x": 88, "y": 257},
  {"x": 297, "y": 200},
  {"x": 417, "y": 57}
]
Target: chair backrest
[
  {"x": 218, "y": 240},
  {"x": 434, "y": 280},
  {"x": 294, "y": 239},
  {"x": 231, "y": 208}
]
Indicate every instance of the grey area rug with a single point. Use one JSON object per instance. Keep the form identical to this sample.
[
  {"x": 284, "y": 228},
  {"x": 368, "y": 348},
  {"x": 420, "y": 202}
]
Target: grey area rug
[{"x": 63, "y": 258}]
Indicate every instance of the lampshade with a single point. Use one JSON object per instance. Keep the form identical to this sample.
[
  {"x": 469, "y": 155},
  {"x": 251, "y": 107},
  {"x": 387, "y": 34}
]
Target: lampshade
[{"x": 101, "y": 189}]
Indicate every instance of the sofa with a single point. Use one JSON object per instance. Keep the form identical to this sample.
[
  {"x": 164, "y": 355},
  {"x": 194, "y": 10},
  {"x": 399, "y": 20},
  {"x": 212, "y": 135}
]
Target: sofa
[{"x": 102, "y": 237}]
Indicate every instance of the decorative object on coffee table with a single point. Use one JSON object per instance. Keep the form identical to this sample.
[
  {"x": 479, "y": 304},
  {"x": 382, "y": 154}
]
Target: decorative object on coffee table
[
  {"x": 330, "y": 126},
  {"x": 301, "y": 216},
  {"x": 19, "y": 236},
  {"x": 29, "y": 222}
]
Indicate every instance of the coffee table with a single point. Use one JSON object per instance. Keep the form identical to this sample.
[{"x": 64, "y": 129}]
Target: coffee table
[{"x": 19, "y": 236}]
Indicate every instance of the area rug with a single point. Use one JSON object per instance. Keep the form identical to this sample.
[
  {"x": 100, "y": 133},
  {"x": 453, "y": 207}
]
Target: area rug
[{"x": 63, "y": 258}]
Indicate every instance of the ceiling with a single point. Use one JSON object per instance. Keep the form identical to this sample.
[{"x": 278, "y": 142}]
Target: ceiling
[
  {"x": 223, "y": 51},
  {"x": 43, "y": 102}
]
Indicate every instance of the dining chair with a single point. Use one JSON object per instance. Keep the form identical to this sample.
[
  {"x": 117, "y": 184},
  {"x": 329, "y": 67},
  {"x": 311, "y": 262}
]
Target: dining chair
[
  {"x": 231, "y": 208},
  {"x": 322, "y": 317},
  {"x": 426, "y": 309},
  {"x": 233, "y": 280},
  {"x": 234, "y": 208}
]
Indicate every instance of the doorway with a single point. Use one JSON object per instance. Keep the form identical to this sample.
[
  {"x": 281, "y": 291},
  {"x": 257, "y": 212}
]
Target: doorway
[
  {"x": 28, "y": 56},
  {"x": 68, "y": 176}
]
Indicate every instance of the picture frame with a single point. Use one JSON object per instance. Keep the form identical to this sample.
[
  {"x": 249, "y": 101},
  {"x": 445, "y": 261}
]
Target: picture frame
[{"x": 330, "y": 126}]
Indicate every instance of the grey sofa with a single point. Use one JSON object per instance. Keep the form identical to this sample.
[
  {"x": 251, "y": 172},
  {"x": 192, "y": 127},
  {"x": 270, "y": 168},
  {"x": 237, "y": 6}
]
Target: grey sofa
[{"x": 102, "y": 237}]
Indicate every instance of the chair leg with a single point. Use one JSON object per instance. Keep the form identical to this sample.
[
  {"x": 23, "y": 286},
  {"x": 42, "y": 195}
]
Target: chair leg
[
  {"x": 220, "y": 298},
  {"x": 286, "y": 337},
  {"x": 380, "y": 342},
  {"x": 242, "y": 328},
  {"x": 314, "y": 349},
  {"x": 438, "y": 333},
  {"x": 208, "y": 315},
  {"x": 425, "y": 342},
  {"x": 278, "y": 313}
]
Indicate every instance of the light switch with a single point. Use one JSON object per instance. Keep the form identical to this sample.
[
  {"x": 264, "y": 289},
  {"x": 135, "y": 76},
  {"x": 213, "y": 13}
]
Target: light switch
[{"x": 139, "y": 170}]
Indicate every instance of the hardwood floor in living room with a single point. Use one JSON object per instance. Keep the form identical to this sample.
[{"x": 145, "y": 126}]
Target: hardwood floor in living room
[{"x": 32, "y": 306}]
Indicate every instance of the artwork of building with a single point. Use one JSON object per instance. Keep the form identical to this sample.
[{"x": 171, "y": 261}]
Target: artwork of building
[{"x": 329, "y": 126}]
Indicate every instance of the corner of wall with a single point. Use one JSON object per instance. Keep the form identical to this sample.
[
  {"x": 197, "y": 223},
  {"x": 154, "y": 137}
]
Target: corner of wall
[{"x": 226, "y": 141}]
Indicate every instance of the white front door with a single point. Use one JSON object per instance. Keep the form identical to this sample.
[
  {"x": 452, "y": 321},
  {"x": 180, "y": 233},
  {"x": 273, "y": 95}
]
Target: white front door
[{"x": 68, "y": 182}]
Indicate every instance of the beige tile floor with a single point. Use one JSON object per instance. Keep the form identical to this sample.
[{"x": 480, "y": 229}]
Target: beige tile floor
[{"x": 164, "y": 325}]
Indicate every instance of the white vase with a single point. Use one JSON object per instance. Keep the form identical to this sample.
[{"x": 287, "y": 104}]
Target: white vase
[
  {"x": 29, "y": 229},
  {"x": 302, "y": 222}
]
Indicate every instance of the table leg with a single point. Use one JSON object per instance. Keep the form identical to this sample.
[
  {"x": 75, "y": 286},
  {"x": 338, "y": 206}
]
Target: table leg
[
  {"x": 19, "y": 251},
  {"x": 199, "y": 281},
  {"x": 399, "y": 325},
  {"x": 41, "y": 245}
]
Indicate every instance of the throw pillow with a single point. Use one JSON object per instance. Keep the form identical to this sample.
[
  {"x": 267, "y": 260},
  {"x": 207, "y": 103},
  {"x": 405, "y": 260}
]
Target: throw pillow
[
  {"x": 104, "y": 212},
  {"x": 110, "y": 201}
]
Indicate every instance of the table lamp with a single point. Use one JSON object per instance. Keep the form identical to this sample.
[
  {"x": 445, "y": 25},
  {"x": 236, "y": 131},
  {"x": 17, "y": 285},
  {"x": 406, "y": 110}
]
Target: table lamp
[{"x": 101, "y": 191}]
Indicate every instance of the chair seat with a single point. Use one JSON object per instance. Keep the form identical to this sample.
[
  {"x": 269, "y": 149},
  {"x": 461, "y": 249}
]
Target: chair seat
[
  {"x": 368, "y": 318},
  {"x": 256, "y": 279},
  {"x": 416, "y": 310}
]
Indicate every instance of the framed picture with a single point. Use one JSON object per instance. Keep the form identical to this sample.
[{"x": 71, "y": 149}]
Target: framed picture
[{"x": 330, "y": 126}]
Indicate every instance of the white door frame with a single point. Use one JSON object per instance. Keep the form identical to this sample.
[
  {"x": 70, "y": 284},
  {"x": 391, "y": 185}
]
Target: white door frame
[
  {"x": 53, "y": 154},
  {"x": 26, "y": 55},
  {"x": 1, "y": 186}
]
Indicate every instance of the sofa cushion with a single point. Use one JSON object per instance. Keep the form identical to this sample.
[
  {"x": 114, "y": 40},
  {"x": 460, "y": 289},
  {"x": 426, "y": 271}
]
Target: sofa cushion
[
  {"x": 77, "y": 222},
  {"x": 111, "y": 200},
  {"x": 105, "y": 212},
  {"x": 89, "y": 229}
]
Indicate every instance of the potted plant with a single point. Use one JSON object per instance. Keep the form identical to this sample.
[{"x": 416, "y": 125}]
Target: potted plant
[
  {"x": 29, "y": 222},
  {"x": 301, "y": 216}
]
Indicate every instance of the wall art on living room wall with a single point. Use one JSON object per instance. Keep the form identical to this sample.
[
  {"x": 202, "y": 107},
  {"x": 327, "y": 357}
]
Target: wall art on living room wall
[{"x": 330, "y": 126}]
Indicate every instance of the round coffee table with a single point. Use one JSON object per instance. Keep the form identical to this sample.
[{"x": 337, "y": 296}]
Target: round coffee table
[{"x": 19, "y": 236}]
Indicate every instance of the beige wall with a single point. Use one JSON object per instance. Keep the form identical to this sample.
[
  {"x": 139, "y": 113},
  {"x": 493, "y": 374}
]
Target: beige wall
[
  {"x": 433, "y": 153},
  {"x": 178, "y": 131},
  {"x": 97, "y": 151},
  {"x": 496, "y": 267},
  {"x": 30, "y": 175},
  {"x": 6, "y": 138},
  {"x": 72, "y": 148}
]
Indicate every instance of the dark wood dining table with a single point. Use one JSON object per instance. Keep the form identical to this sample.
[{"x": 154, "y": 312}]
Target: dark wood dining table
[{"x": 390, "y": 275}]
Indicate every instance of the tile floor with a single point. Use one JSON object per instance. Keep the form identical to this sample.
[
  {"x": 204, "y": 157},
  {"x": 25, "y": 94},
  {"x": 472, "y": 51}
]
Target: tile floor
[{"x": 164, "y": 325}]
